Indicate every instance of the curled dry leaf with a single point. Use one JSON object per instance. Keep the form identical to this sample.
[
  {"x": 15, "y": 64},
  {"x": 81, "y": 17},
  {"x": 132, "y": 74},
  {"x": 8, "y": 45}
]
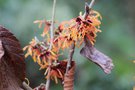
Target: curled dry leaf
[
  {"x": 69, "y": 78},
  {"x": 96, "y": 56},
  {"x": 12, "y": 66}
]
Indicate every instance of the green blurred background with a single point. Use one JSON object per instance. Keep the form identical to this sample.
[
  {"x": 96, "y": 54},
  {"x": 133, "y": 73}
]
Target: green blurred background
[{"x": 117, "y": 39}]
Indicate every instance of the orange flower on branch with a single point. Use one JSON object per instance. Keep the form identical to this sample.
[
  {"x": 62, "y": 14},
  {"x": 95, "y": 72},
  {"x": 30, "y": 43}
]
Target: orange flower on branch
[
  {"x": 75, "y": 32},
  {"x": 68, "y": 32},
  {"x": 40, "y": 53},
  {"x": 47, "y": 25},
  {"x": 77, "y": 28}
]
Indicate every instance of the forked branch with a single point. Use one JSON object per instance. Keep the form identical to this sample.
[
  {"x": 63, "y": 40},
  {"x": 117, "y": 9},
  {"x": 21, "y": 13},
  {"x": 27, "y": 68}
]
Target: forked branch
[
  {"x": 71, "y": 53},
  {"x": 72, "y": 48}
]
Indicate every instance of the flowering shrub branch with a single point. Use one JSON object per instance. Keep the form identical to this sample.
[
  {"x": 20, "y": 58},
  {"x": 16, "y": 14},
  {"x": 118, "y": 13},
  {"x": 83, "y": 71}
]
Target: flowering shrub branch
[
  {"x": 51, "y": 44},
  {"x": 72, "y": 33}
]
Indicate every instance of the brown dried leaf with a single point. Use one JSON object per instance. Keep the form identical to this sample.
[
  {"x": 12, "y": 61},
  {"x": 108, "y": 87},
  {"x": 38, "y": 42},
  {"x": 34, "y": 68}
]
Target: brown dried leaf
[
  {"x": 12, "y": 66},
  {"x": 96, "y": 56},
  {"x": 69, "y": 78}
]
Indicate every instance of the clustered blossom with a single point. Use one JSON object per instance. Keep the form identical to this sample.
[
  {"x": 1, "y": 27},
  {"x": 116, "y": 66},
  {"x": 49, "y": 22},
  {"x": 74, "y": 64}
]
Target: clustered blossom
[
  {"x": 67, "y": 33},
  {"x": 76, "y": 29},
  {"x": 40, "y": 53}
]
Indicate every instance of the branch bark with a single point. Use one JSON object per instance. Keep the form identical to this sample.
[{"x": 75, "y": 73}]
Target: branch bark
[
  {"x": 72, "y": 48},
  {"x": 52, "y": 24},
  {"x": 71, "y": 51},
  {"x": 88, "y": 8},
  {"x": 51, "y": 43}
]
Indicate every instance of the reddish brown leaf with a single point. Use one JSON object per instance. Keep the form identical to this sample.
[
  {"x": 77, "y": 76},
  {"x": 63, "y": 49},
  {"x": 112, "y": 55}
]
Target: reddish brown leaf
[
  {"x": 96, "y": 56},
  {"x": 12, "y": 66},
  {"x": 69, "y": 78}
]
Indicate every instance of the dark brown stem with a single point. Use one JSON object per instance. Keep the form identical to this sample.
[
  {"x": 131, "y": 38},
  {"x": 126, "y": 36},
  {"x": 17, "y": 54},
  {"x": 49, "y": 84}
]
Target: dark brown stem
[
  {"x": 71, "y": 53},
  {"x": 68, "y": 74},
  {"x": 88, "y": 8}
]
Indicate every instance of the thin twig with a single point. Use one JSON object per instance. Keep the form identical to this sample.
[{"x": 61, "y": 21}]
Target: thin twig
[
  {"x": 52, "y": 24},
  {"x": 88, "y": 8},
  {"x": 72, "y": 48},
  {"x": 26, "y": 86},
  {"x": 51, "y": 44},
  {"x": 71, "y": 51},
  {"x": 48, "y": 80},
  {"x": 91, "y": 4}
]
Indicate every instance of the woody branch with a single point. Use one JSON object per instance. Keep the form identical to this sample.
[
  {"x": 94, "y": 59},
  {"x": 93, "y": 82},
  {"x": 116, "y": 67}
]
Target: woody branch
[
  {"x": 72, "y": 48},
  {"x": 51, "y": 43}
]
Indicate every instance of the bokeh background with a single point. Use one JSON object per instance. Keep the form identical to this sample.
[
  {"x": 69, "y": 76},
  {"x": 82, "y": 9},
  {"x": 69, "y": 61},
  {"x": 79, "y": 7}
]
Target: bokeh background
[{"x": 117, "y": 39}]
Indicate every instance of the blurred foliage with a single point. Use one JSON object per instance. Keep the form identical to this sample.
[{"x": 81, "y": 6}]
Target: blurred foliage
[{"x": 116, "y": 40}]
